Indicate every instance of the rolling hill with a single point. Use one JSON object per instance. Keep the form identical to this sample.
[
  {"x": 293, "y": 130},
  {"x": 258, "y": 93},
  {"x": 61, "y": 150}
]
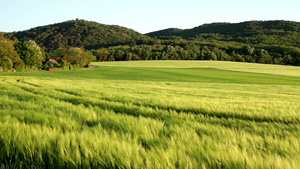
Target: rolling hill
[
  {"x": 255, "y": 32},
  {"x": 270, "y": 42},
  {"x": 80, "y": 33},
  {"x": 92, "y": 35}
]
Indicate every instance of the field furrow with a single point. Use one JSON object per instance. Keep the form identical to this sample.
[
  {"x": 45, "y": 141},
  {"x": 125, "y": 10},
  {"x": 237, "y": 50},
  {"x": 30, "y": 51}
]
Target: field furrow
[{"x": 90, "y": 119}]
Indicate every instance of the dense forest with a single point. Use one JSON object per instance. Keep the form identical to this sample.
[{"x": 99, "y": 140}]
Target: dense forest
[
  {"x": 252, "y": 32},
  {"x": 80, "y": 33},
  {"x": 76, "y": 43}
]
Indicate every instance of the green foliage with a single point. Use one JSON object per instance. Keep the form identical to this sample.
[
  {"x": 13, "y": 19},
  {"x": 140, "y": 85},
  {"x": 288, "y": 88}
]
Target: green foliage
[
  {"x": 7, "y": 50},
  {"x": 65, "y": 65},
  {"x": 252, "y": 32},
  {"x": 80, "y": 33},
  {"x": 169, "y": 33},
  {"x": 242, "y": 41},
  {"x": 101, "y": 54},
  {"x": 19, "y": 65},
  {"x": 6, "y": 64},
  {"x": 71, "y": 67},
  {"x": 201, "y": 51},
  {"x": 73, "y": 56},
  {"x": 77, "y": 66},
  {"x": 31, "y": 54},
  {"x": 51, "y": 63},
  {"x": 268, "y": 42}
]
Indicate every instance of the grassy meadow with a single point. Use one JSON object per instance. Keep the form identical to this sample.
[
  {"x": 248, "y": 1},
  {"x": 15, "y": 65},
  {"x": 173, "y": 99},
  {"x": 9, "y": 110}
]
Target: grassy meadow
[{"x": 152, "y": 114}]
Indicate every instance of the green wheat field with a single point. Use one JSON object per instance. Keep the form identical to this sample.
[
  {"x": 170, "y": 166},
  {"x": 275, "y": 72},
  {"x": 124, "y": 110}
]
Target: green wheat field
[{"x": 152, "y": 114}]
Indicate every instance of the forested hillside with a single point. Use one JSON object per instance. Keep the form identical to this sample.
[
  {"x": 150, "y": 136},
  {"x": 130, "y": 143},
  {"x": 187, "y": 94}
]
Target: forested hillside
[
  {"x": 80, "y": 33},
  {"x": 252, "y": 32}
]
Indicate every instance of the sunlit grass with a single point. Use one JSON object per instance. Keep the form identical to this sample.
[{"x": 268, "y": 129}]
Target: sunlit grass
[
  {"x": 102, "y": 119},
  {"x": 224, "y": 65}
]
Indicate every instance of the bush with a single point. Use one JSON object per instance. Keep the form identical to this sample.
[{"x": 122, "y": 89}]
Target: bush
[
  {"x": 65, "y": 65},
  {"x": 6, "y": 64},
  {"x": 19, "y": 65},
  {"x": 50, "y": 65},
  {"x": 71, "y": 67},
  {"x": 76, "y": 66}
]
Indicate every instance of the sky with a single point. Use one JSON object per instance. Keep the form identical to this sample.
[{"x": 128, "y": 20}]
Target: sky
[{"x": 143, "y": 16}]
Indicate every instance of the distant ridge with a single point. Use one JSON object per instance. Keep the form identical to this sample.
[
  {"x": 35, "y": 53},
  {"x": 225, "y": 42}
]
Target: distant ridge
[
  {"x": 256, "y": 32},
  {"x": 269, "y": 42},
  {"x": 166, "y": 32},
  {"x": 93, "y": 35}
]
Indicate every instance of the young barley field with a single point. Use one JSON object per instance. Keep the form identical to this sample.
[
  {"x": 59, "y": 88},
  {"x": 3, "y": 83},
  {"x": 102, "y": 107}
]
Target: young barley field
[{"x": 152, "y": 114}]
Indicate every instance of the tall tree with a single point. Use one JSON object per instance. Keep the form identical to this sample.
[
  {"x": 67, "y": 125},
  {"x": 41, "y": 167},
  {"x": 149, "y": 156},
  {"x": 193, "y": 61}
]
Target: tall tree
[
  {"x": 7, "y": 50},
  {"x": 31, "y": 54}
]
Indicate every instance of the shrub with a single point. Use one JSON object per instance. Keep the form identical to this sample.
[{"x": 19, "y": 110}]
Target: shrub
[
  {"x": 6, "y": 64},
  {"x": 19, "y": 65},
  {"x": 51, "y": 65},
  {"x": 76, "y": 66},
  {"x": 71, "y": 67},
  {"x": 65, "y": 65}
]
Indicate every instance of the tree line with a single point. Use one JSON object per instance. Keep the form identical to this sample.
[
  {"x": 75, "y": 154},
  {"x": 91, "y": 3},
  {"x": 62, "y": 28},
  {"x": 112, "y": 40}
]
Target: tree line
[
  {"x": 26, "y": 55},
  {"x": 189, "y": 50}
]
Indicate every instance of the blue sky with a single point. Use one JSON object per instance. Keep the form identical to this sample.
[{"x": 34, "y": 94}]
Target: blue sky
[{"x": 143, "y": 15}]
